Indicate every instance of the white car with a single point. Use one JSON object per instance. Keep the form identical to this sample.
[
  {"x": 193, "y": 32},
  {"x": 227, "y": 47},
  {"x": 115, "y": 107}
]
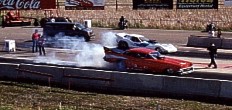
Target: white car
[{"x": 126, "y": 41}]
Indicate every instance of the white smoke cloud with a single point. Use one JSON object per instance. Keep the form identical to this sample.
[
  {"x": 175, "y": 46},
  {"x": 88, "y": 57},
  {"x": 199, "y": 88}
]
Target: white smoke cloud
[
  {"x": 108, "y": 39},
  {"x": 62, "y": 41},
  {"x": 83, "y": 54},
  {"x": 91, "y": 55},
  {"x": 50, "y": 59}
]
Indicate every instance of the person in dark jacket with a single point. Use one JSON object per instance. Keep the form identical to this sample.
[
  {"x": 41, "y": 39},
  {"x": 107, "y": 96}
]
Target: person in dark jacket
[
  {"x": 212, "y": 53},
  {"x": 219, "y": 34},
  {"x": 122, "y": 19},
  {"x": 121, "y": 23}
]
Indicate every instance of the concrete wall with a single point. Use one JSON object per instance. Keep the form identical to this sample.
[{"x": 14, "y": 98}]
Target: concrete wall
[
  {"x": 192, "y": 86},
  {"x": 8, "y": 70},
  {"x": 204, "y": 41},
  {"x": 226, "y": 87},
  {"x": 136, "y": 83},
  {"x": 88, "y": 79},
  {"x": 41, "y": 72},
  {"x": 121, "y": 81},
  {"x": 227, "y": 43}
]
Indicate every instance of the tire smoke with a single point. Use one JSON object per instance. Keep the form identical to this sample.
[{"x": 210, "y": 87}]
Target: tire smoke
[
  {"x": 109, "y": 39},
  {"x": 76, "y": 52}
]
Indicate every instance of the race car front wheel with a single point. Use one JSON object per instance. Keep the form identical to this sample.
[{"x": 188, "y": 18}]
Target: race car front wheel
[{"x": 169, "y": 71}]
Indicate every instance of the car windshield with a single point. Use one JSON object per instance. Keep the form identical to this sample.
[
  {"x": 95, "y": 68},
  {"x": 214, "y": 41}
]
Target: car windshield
[
  {"x": 80, "y": 26},
  {"x": 144, "y": 39},
  {"x": 156, "y": 55}
]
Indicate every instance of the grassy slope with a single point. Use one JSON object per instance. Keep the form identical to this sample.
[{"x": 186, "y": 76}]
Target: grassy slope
[{"x": 26, "y": 97}]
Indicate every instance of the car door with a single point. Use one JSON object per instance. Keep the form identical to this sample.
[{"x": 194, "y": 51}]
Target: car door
[
  {"x": 156, "y": 63},
  {"x": 137, "y": 61},
  {"x": 58, "y": 29},
  {"x": 153, "y": 65},
  {"x": 144, "y": 62},
  {"x": 69, "y": 30},
  {"x": 48, "y": 30}
]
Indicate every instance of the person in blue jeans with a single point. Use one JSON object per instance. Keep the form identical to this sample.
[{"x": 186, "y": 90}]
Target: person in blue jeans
[
  {"x": 41, "y": 43},
  {"x": 35, "y": 37}
]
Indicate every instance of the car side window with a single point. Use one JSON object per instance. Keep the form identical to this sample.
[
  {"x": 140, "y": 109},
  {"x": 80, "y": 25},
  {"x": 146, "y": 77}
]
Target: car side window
[
  {"x": 137, "y": 55},
  {"x": 132, "y": 54},
  {"x": 135, "y": 39},
  {"x": 80, "y": 26},
  {"x": 144, "y": 56},
  {"x": 155, "y": 55},
  {"x": 57, "y": 27},
  {"x": 61, "y": 27}
]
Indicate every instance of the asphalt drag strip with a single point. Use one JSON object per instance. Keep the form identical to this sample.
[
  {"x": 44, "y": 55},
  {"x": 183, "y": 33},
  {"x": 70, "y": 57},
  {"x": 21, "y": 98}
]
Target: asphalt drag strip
[{"x": 66, "y": 58}]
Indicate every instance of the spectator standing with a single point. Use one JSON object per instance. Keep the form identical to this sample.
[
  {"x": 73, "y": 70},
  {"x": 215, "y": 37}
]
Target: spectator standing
[
  {"x": 41, "y": 43},
  {"x": 122, "y": 22},
  {"x": 126, "y": 24},
  {"x": 35, "y": 37},
  {"x": 68, "y": 19},
  {"x": 212, "y": 29},
  {"x": 212, "y": 53},
  {"x": 122, "y": 19},
  {"x": 52, "y": 18},
  {"x": 219, "y": 34}
]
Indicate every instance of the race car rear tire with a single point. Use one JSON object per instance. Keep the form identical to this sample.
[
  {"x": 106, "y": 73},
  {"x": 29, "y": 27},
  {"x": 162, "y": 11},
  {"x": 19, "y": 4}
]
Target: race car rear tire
[
  {"x": 123, "y": 45},
  {"x": 121, "y": 65}
]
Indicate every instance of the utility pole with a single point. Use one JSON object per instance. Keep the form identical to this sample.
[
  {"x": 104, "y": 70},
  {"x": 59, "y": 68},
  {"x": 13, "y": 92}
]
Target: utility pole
[{"x": 116, "y": 5}]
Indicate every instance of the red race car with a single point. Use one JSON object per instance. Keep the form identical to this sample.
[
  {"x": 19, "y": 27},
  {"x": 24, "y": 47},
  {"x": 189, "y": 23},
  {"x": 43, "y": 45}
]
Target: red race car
[{"x": 146, "y": 60}]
